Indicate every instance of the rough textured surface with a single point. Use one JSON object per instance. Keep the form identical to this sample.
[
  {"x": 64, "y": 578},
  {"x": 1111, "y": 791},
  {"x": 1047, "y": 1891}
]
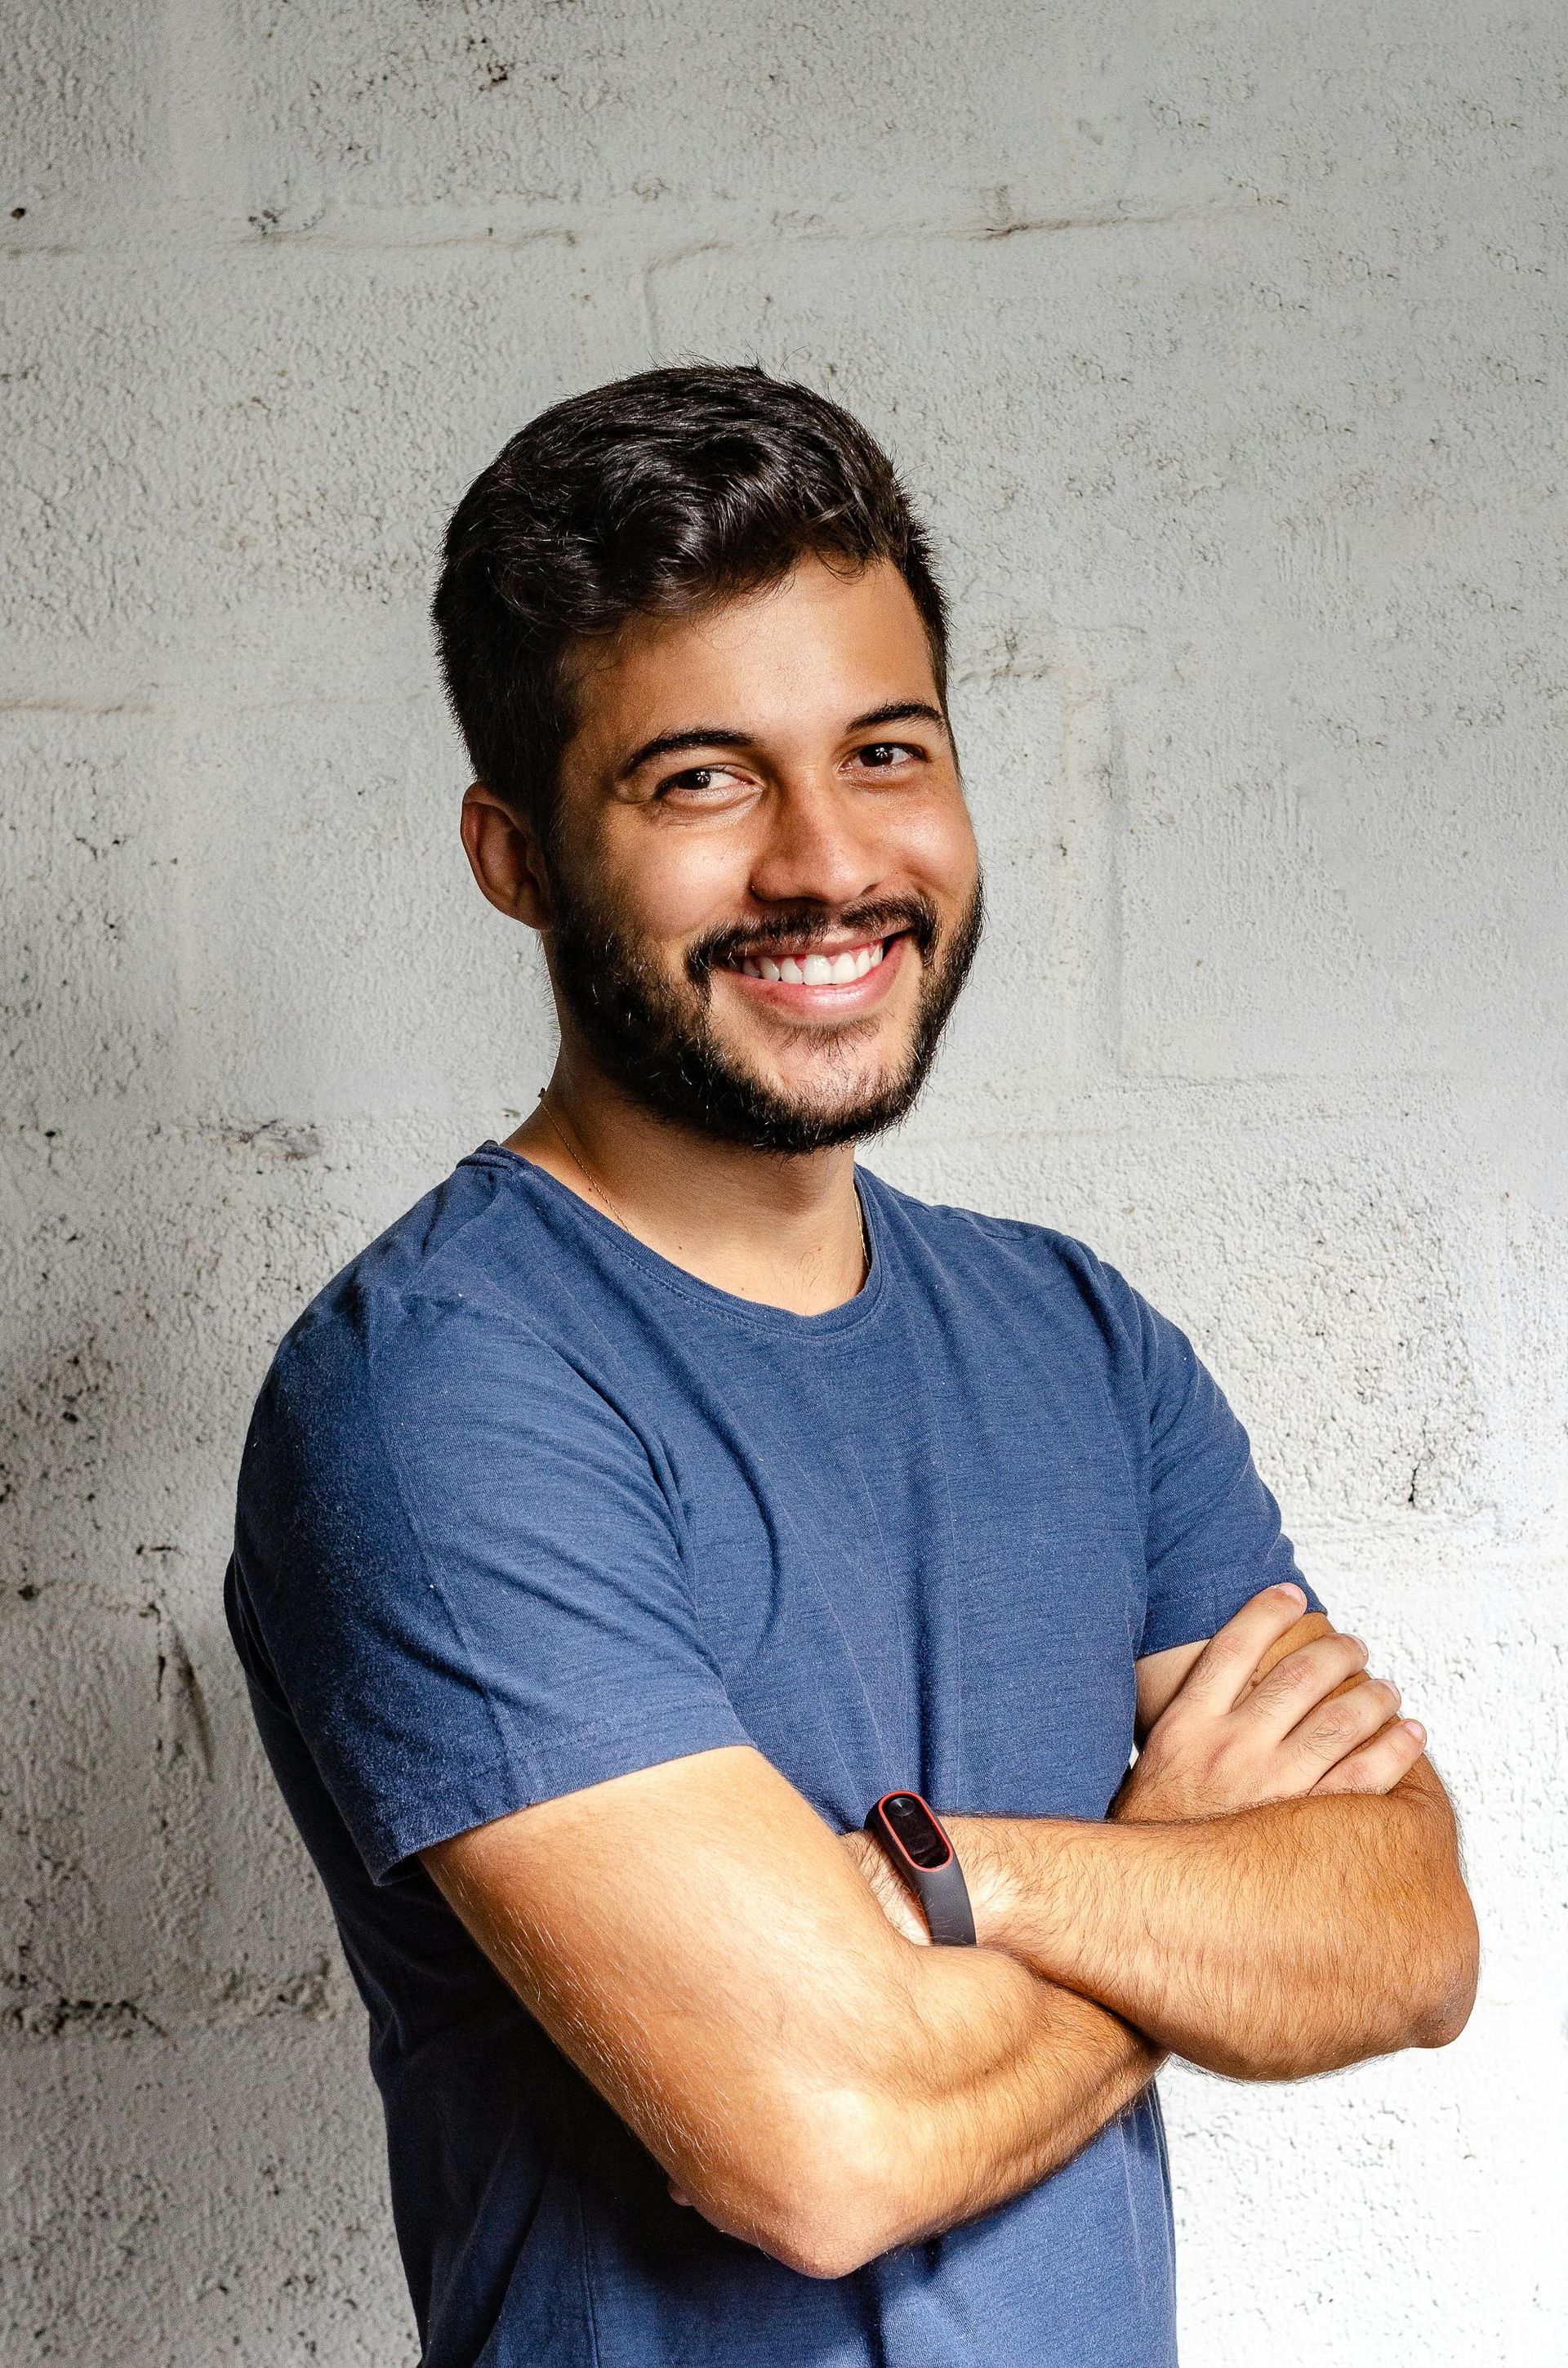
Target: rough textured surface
[{"x": 1223, "y": 344}]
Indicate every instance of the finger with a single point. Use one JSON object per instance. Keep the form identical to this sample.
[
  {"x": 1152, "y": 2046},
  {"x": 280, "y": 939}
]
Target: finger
[
  {"x": 1302, "y": 1679},
  {"x": 1305, "y": 1631},
  {"x": 1223, "y": 1670},
  {"x": 1337, "y": 1728},
  {"x": 1379, "y": 1765}
]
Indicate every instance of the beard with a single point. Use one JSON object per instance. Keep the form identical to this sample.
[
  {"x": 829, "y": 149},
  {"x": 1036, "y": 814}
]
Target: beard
[{"x": 658, "y": 1044}]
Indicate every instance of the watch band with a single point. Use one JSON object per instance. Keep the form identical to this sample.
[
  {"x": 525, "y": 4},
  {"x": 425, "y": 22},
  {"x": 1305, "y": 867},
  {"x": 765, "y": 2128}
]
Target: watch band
[{"x": 909, "y": 1832}]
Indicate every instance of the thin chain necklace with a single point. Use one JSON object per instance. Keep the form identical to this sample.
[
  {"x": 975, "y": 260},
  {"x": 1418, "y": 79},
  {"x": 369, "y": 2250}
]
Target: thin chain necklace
[
  {"x": 597, "y": 1189},
  {"x": 580, "y": 1164}
]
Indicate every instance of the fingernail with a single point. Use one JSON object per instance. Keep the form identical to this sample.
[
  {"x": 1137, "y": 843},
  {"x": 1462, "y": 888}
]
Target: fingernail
[
  {"x": 1351, "y": 1639},
  {"x": 1296, "y": 1594},
  {"x": 1414, "y": 1727}
]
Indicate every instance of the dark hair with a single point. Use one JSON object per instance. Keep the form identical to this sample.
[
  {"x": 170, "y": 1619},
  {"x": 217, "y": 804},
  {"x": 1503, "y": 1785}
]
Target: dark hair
[{"x": 655, "y": 494}]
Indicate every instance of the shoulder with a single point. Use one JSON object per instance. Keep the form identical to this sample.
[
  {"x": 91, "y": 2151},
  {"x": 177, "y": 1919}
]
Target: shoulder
[
  {"x": 450, "y": 1305},
  {"x": 426, "y": 1408},
  {"x": 1013, "y": 1253}
]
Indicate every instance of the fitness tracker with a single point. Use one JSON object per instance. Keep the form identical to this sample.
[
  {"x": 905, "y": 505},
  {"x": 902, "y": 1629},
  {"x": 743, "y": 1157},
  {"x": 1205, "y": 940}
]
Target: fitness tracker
[{"x": 907, "y": 1831}]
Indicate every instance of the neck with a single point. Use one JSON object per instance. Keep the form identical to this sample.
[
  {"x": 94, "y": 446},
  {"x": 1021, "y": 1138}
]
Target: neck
[{"x": 783, "y": 1230}]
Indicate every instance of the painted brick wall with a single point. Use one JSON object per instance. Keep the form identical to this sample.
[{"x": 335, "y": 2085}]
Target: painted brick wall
[{"x": 1223, "y": 344}]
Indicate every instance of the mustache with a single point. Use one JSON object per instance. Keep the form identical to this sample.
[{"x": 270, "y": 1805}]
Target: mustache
[{"x": 809, "y": 926}]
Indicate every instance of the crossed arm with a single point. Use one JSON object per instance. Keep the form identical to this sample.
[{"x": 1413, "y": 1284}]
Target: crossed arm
[{"x": 1276, "y": 1892}]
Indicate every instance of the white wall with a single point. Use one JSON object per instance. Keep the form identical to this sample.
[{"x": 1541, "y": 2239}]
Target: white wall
[{"x": 1224, "y": 344}]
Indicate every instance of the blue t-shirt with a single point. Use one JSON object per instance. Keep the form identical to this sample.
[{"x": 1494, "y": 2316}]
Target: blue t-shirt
[{"x": 523, "y": 1507}]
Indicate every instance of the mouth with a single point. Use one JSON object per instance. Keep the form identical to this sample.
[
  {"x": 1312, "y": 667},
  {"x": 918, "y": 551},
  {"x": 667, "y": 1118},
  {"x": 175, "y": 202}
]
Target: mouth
[
  {"x": 815, "y": 965},
  {"x": 834, "y": 978}
]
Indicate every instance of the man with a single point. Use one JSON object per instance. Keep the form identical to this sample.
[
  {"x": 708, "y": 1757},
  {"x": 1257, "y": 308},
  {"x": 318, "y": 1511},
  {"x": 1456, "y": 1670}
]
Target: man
[{"x": 662, "y": 1491}]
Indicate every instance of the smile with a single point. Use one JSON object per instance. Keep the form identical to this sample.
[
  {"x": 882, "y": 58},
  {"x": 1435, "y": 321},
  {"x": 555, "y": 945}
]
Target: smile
[
  {"x": 840, "y": 968},
  {"x": 831, "y": 981}
]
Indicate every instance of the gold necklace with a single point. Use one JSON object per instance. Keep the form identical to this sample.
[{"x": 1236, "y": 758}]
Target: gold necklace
[
  {"x": 591, "y": 1180},
  {"x": 580, "y": 1165}
]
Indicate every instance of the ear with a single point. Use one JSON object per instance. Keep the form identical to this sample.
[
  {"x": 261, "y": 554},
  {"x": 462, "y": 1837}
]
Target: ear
[{"x": 505, "y": 858}]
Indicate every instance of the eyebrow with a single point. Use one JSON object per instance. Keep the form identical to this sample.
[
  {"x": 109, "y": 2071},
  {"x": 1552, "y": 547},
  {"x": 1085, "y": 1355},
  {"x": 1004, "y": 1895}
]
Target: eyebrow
[{"x": 723, "y": 735}]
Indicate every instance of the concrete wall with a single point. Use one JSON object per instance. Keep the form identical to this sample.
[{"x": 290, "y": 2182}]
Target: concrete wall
[{"x": 1224, "y": 344}]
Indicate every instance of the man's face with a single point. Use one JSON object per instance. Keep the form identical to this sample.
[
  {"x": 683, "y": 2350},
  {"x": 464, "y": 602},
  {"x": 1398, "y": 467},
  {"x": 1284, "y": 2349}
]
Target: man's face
[{"x": 765, "y": 887}]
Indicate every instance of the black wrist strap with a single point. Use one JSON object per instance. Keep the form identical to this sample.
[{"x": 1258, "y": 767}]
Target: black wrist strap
[{"x": 909, "y": 1833}]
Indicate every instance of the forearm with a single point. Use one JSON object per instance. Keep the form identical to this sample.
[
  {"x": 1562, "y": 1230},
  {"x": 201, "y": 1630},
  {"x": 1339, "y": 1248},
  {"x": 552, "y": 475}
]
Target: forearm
[
  {"x": 812, "y": 2079},
  {"x": 999, "y": 2080},
  {"x": 1282, "y": 1940}
]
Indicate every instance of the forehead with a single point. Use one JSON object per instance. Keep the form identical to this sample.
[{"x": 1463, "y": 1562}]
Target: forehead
[{"x": 810, "y": 651}]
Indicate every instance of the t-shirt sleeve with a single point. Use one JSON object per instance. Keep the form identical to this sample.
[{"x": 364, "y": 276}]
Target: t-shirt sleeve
[
  {"x": 1212, "y": 1530},
  {"x": 464, "y": 1576}
]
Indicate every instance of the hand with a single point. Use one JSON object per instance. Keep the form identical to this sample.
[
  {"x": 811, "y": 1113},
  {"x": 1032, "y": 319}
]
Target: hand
[{"x": 1239, "y": 1732}]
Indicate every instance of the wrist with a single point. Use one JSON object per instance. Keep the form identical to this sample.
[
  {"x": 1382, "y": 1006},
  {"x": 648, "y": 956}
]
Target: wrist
[
  {"x": 1037, "y": 1882},
  {"x": 995, "y": 1895},
  {"x": 906, "y": 1828}
]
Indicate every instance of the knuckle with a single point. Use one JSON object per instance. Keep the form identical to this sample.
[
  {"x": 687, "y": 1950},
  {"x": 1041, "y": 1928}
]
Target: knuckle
[
  {"x": 1326, "y": 1663},
  {"x": 1385, "y": 1761},
  {"x": 1368, "y": 1702},
  {"x": 1349, "y": 1719},
  {"x": 1301, "y": 1674}
]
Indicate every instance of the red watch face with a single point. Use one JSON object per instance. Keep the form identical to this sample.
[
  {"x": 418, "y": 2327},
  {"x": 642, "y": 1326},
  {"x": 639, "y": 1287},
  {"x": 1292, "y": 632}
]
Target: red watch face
[{"x": 915, "y": 1830}]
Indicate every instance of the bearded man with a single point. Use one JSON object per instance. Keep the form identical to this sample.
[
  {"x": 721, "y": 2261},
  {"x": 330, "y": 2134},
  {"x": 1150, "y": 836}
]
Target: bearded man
[{"x": 701, "y": 1603}]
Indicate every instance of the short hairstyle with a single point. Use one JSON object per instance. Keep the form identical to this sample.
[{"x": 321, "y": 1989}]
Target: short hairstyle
[{"x": 655, "y": 496}]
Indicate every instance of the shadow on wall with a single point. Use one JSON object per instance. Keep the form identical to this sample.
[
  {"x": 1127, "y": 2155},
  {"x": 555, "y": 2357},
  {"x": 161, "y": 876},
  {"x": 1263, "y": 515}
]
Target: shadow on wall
[{"x": 183, "y": 2051}]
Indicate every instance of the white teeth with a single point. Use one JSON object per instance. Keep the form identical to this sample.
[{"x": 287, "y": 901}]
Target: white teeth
[{"x": 815, "y": 970}]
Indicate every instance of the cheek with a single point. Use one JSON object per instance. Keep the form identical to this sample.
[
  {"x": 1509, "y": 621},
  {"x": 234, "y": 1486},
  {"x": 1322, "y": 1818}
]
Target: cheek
[
  {"x": 938, "y": 848},
  {"x": 684, "y": 889}
]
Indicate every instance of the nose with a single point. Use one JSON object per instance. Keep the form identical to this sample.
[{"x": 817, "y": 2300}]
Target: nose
[{"x": 818, "y": 848}]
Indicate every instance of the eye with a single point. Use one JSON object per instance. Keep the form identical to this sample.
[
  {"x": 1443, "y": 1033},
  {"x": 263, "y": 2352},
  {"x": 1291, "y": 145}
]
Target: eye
[
  {"x": 700, "y": 783},
  {"x": 882, "y": 756}
]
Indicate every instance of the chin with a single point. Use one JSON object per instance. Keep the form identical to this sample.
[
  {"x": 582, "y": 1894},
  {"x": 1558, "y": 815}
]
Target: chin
[
  {"x": 793, "y": 1114},
  {"x": 829, "y": 1093}
]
